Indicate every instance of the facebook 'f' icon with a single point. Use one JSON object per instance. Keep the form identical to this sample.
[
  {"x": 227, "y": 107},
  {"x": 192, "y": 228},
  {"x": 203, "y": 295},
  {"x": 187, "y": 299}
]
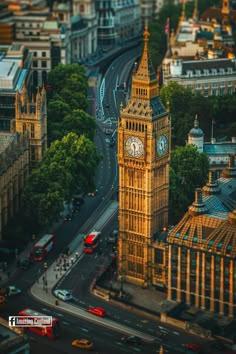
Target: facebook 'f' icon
[{"x": 11, "y": 321}]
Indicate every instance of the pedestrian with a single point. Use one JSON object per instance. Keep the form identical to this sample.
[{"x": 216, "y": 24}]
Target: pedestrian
[{"x": 77, "y": 255}]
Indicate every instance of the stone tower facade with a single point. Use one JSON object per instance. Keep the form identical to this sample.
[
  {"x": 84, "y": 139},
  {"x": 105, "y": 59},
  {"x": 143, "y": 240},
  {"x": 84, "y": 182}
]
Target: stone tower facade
[
  {"x": 143, "y": 158},
  {"x": 31, "y": 119}
]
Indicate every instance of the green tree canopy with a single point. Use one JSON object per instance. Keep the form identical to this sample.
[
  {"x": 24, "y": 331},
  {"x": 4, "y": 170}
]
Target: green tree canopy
[
  {"x": 68, "y": 163},
  {"x": 189, "y": 170}
]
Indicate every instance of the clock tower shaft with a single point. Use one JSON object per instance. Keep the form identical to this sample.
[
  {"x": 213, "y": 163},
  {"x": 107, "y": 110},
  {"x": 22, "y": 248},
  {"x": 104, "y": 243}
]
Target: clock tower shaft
[{"x": 143, "y": 158}]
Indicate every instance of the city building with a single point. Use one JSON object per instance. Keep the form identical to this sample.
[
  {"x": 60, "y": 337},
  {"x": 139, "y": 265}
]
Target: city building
[
  {"x": 23, "y": 127},
  {"x": 64, "y": 34},
  {"x": 118, "y": 22},
  {"x": 15, "y": 72},
  {"x": 201, "y": 248},
  {"x": 143, "y": 159},
  {"x": 12, "y": 340},
  {"x": 200, "y": 57},
  {"x": 14, "y": 170},
  {"x": 218, "y": 152}
]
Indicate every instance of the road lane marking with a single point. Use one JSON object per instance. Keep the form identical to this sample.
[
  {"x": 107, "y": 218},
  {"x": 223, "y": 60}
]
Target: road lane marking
[{"x": 84, "y": 329}]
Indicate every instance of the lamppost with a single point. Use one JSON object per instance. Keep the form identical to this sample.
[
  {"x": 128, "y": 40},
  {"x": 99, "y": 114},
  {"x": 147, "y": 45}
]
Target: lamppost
[{"x": 45, "y": 282}]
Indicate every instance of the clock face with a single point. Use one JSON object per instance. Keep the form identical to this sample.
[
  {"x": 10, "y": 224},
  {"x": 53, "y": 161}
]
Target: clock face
[
  {"x": 162, "y": 145},
  {"x": 134, "y": 146}
]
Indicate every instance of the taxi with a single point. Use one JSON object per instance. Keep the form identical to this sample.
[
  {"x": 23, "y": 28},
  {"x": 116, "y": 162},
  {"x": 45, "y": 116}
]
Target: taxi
[{"x": 82, "y": 344}]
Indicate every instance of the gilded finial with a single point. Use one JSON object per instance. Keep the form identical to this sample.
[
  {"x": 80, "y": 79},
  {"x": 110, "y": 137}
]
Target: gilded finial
[{"x": 146, "y": 34}]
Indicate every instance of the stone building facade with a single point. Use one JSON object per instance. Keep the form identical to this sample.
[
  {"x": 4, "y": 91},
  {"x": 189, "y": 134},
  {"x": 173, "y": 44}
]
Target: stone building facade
[{"x": 14, "y": 170}]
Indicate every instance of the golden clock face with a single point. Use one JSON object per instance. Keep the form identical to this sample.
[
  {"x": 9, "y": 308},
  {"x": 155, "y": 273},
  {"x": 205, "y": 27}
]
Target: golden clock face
[{"x": 134, "y": 146}]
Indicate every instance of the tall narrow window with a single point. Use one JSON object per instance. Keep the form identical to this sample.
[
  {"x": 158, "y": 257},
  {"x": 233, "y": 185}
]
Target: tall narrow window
[{"x": 32, "y": 132}]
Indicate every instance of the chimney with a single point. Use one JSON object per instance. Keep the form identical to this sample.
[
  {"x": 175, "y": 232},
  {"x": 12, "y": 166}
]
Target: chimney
[
  {"x": 233, "y": 139},
  {"x": 230, "y": 170},
  {"x": 211, "y": 187},
  {"x": 198, "y": 207}
]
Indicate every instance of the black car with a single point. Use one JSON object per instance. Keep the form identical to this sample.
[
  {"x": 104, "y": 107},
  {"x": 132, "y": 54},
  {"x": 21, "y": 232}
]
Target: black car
[
  {"x": 132, "y": 340},
  {"x": 68, "y": 217},
  {"x": 78, "y": 201},
  {"x": 75, "y": 208}
]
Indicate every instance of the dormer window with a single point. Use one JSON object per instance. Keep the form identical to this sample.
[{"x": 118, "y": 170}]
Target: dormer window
[
  {"x": 222, "y": 71},
  {"x": 230, "y": 70},
  {"x": 214, "y": 71},
  {"x": 206, "y": 72},
  {"x": 189, "y": 73},
  {"x": 198, "y": 73}
]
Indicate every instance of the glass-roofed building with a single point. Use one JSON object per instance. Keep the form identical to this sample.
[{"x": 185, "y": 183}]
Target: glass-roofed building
[{"x": 202, "y": 248}]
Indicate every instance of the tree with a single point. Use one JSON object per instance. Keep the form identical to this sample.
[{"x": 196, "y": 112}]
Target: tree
[
  {"x": 68, "y": 163},
  {"x": 189, "y": 170},
  {"x": 80, "y": 123},
  {"x": 63, "y": 75}
]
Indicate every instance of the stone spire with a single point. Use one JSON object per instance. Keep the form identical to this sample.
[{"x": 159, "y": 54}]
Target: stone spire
[{"x": 145, "y": 70}]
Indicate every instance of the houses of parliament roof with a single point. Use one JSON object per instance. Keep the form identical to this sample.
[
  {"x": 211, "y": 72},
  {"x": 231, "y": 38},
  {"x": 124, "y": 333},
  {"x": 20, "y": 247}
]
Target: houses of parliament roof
[{"x": 210, "y": 223}]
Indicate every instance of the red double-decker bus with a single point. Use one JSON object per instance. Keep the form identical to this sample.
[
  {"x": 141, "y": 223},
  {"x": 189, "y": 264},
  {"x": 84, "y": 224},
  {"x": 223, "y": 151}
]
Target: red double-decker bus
[
  {"x": 43, "y": 247},
  {"x": 91, "y": 241},
  {"x": 52, "y": 331}
]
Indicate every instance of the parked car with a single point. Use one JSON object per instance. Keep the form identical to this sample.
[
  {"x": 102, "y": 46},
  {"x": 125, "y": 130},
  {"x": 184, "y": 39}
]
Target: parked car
[
  {"x": 64, "y": 295},
  {"x": 98, "y": 311},
  {"x": 85, "y": 344},
  {"x": 132, "y": 340}
]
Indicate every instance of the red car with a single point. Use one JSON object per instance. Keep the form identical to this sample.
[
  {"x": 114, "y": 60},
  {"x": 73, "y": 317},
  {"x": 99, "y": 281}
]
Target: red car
[
  {"x": 193, "y": 346},
  {"x": 98, "y": 311}
]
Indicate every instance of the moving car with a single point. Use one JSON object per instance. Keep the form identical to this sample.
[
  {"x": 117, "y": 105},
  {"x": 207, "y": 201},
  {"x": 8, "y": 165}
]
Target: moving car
[
  {"x": 83, "y": 344},
  {"x": 193, "y": 346},
  {"x": 64, "y": 295},
  {"x": 112, "y": 238},
  {"x": 92, "y": 194},
  {"x": 12, "y": 290},
  {"x": 98, "y": 311},
  {"x": 132, "y": 340},
  {"x": 68, "y": 217}
]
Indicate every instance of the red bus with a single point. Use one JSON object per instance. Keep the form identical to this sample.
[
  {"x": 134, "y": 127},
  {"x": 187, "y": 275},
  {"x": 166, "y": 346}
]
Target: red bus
[
  {"x": 91, "y": 241},
  {"x": 52, "y": 331},
  {"x": 43, "y": 247}
]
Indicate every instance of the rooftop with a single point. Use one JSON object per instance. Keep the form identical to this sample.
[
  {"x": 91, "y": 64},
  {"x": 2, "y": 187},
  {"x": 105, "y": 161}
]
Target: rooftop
[{"x": 6, "y": 140}]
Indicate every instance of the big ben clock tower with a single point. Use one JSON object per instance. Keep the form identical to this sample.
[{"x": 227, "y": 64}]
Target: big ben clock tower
[{"x": 143, "y": 158}]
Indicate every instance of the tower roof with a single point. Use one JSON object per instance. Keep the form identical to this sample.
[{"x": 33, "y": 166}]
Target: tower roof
[
  {"x": 145, "y": 102},
  {"x": 196, "y": 131},
  {"x": 145, "y": 70}
]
